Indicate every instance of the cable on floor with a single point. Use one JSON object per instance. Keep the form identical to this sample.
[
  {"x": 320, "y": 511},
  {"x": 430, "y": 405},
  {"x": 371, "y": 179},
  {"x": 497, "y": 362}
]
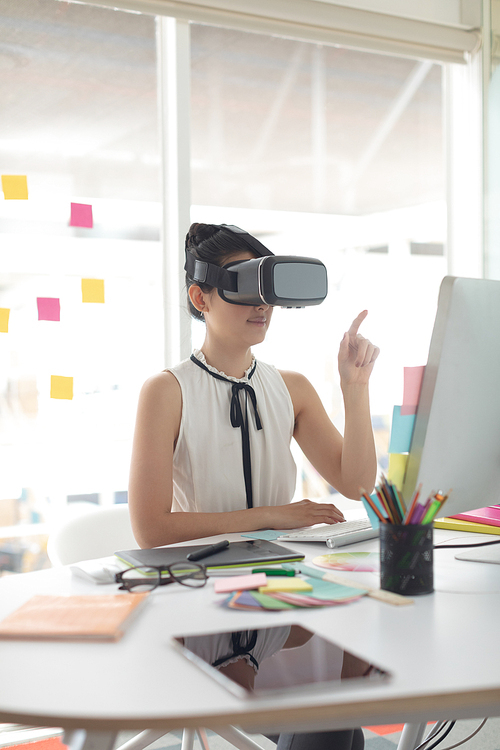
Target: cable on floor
[
  {"x": 445, "y": 734},
  {"x": 478, "y": 729},
  {"x": 435, "y": 731}
]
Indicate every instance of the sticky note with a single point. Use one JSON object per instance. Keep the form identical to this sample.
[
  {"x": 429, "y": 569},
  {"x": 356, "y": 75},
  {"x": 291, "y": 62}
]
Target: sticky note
[
  {"x": 4, "y": 319},
  {"x": 285, "y": 584},
  {"x": 411, "y": 389},
  {"x": 240, "y": 583},
  {"x": 61, "y": 387},
  {"x": 49, "y": 308},
  {"x": 92, "y": 290},
  {"x": 372, "y": 516},
  {"x": 401, "y": 431},
  {"x": 397, "y": 469},
  {"x": 15, "y": 187},
  {"x": 81, "y": 215}
]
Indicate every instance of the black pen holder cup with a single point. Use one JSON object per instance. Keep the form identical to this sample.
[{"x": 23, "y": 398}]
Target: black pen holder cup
[{"x": 406, "y": 560}]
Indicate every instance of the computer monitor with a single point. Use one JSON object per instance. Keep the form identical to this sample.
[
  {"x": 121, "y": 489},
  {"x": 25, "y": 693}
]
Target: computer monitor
[{"x": 456, "y": 437}]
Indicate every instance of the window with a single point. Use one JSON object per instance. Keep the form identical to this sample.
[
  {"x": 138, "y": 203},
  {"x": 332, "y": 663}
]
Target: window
[
  {"x": 79, "y": 121},
  {"x": 336, "y": 154}
]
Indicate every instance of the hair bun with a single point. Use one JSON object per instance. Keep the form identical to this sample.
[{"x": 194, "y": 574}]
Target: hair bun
[{"x": 198, "y": 233}]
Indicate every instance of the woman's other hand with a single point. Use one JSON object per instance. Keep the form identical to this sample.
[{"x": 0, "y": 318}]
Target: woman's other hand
[
  {"x": 357, "y": 355},
  {"x": 302, "y": 513}
]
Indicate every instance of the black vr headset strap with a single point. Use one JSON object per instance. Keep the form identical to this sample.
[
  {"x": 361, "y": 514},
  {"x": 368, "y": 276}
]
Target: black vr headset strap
[
  {"x": 209, "y": 273},
  {"x": 221, "y": 278},
  {"x": 253, "y": 243}
]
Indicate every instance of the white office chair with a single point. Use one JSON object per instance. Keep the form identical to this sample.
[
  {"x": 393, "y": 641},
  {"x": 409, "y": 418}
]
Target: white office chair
[{"x": 93, "y": 532}]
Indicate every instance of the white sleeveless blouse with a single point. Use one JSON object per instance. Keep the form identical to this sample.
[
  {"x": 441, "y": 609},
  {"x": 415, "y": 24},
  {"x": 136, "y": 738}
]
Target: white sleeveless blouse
[{"x": 208, "y": 465}]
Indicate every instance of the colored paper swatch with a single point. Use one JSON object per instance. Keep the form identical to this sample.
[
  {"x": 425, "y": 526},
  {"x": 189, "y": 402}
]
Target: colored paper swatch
[
  {"x": 93, "y": 290},
  {"x": 362, "y": 561},
  {"x": 254, "y": 600},
  {"x": 268, "y": 535},
  {"x": 270, "y": 602},
  {"x": 4, "y": 319},
  {"x": 15, "y": 187},
  {"x": 49, "y": 308},
  {"x": 61, "y": 387},
  {"x": 411, "y": 389},
  {"x": 401, "y": 431},
  {"x": 328, "y": 591},
  {"x": 241, "y": 600},
  {"x": 81, "y": 216},
  {"x": 240, "y": 583},
  {"x": 397, "y": 469}
]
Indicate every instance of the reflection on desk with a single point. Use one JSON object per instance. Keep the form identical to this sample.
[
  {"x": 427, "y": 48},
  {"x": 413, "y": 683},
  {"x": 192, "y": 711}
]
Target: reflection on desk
[{"x": 276, "y": 660}]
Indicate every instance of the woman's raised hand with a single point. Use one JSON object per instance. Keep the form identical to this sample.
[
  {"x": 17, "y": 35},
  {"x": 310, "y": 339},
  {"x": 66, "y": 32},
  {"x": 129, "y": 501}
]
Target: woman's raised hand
[
  {"x": 357, "y": 355},
  {"x": 303, "y": 513}
]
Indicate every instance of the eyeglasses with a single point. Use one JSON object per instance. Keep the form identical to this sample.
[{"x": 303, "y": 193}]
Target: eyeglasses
[{"x": 147, "y": 578}]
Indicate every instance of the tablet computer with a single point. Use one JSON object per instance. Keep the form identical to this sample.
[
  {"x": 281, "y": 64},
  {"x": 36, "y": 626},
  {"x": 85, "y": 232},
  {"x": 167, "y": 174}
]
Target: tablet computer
[{"x": 276, "y": 660}]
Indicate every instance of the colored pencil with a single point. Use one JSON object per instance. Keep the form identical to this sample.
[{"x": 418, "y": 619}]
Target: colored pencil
[
  {"x": 386, "y": 489},
  {"x": 385, "y": 504},
  {"x": 413, "y": 503}
]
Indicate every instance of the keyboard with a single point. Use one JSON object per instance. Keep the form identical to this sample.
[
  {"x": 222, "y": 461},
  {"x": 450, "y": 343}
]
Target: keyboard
[{"x": 334, "y": 535}]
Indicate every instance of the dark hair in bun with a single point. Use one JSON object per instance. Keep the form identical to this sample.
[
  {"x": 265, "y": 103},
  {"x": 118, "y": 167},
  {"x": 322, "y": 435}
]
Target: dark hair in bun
[{"x": 212, "y": 243}]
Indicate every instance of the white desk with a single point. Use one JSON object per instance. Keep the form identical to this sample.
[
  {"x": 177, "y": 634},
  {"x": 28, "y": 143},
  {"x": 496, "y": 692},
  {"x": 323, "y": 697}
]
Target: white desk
[{"x": 443, "y": 653}]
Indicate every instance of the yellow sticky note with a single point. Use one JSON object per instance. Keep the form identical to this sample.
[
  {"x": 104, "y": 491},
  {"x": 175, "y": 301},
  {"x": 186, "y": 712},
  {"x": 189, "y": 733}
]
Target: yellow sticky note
[
  {"x": 15, "y": 187},
  {"x": 61, "y": 387},
  {"x": 285, "y": 584},
  {"x": 92, "y": 290},
  {"x": 4, "y": 319},
  {"x": 397, "y": 469}
]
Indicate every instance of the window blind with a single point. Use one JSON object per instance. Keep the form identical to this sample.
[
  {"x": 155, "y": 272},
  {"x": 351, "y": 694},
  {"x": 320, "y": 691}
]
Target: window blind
[{"x": 320, "y": 22}]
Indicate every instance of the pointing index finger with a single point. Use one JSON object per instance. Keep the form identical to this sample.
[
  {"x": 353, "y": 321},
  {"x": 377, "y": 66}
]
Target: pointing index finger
[{"x": 356, "y": 323}]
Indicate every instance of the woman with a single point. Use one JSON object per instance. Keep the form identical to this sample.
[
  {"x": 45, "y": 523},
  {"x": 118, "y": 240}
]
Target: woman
[{"x": 211, "y": 450}]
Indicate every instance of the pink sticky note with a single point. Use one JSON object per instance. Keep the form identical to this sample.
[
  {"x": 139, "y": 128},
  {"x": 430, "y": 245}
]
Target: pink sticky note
[
  {"x": 239, "y": 583},
  {"x": 411, "y": 390},
  {"x": 81, "y": 215},
  {"x": 49, "y": 308}
]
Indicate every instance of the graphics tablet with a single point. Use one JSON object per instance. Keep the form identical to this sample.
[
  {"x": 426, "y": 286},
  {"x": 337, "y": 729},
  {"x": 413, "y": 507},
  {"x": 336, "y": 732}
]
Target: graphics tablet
[
  {"x": 276, "y": 660},
  {"x": 248, "y": 553}
]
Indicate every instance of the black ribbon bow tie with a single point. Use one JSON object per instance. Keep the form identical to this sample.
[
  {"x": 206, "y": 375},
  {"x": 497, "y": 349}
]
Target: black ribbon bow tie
[
  {"x": 240, "y": 648},
  {"x": 239, "y": 418}
]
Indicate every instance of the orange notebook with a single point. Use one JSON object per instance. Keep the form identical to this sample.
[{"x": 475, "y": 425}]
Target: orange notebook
[{"x": 76, "y": 618}]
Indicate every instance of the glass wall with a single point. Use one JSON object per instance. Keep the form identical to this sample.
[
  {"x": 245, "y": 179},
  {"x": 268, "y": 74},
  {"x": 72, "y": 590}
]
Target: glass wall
[
  {"x": 492, "y": 150},
  {"x": 336, "y": 154},
  {"x": 80, "y": 258}
]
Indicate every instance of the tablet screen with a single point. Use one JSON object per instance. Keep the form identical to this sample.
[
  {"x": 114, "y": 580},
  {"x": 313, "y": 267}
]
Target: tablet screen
[{"x": 276, "y": 660}]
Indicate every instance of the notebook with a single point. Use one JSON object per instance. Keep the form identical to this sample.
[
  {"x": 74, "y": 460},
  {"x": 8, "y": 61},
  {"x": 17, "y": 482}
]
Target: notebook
[
  {"x": 91, "y": 617},
  {"x": 245, "y": 554},
  {"x": 490, "y": 515},
  {"x": 457, "y": 524}
]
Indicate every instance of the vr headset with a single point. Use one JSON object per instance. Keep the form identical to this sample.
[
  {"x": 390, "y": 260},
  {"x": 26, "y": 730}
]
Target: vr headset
[{"x": 285, "y": 280}]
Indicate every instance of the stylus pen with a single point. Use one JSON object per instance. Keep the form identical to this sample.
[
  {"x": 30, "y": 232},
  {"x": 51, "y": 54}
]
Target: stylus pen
[{"x": 212, "y": 549}]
